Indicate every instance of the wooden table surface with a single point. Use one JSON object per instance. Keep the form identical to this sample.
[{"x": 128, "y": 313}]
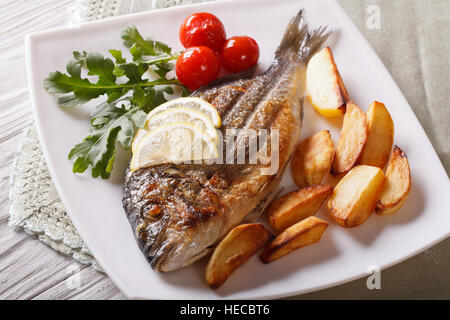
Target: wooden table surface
[{"x": 28, "y": 268}]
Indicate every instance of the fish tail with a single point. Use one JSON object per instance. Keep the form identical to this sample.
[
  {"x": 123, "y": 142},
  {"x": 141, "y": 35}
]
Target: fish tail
[{"x": 300, "y": 42}]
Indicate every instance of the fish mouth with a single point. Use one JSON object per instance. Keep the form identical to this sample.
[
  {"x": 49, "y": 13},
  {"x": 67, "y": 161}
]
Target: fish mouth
[
  {"x": 173, "y": 255},
  {"x": 170, "y": 260},
  {"x": 161, "y": 261}
]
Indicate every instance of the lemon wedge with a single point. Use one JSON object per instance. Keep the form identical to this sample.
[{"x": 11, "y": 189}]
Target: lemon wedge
[
  {"x": 173, "y": 143},
  {"x": 173, "y": 115},
  {"x": 192, "y": 103}
]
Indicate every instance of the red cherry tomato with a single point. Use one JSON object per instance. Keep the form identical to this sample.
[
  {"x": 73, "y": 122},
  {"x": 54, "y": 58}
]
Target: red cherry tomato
[
  {"x": 239, "y": 53},
  {"x": 202, "y": 29},
  {"x": 197, "y": 66}
]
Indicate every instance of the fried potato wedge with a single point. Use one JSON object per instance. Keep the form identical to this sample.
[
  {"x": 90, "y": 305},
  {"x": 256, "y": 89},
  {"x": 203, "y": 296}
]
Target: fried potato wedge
[
  {"x": 355, "y": 196},
  {"x": 381, "y": 136},
  {"x": 352, "y": 141},
  {"x": 234, "y": 250},
  {"x": 397, "y": 185},
  {"x": 324, "y": 85},
  {"x": 303, "y": 233},
  {"x": 312, "y": 159},
  {"x": 296, "y": 206}
]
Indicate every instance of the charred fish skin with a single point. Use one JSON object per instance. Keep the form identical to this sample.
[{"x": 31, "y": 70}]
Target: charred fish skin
[
  {"x": 166, "y": 204},
  {"x": 179, "y": 212}
]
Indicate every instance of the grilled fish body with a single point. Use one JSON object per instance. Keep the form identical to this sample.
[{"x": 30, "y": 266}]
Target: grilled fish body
[{"x": 180, "y": 212}]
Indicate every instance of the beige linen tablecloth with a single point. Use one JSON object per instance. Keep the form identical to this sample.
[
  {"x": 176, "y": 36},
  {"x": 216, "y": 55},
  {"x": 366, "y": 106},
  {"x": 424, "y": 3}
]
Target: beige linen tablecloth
[{"x": 413, "y": 40}]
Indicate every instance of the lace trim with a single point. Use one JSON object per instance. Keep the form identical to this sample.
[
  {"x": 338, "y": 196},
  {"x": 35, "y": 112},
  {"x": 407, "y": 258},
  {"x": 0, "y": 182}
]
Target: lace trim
[{"x": 36, "y": 207}]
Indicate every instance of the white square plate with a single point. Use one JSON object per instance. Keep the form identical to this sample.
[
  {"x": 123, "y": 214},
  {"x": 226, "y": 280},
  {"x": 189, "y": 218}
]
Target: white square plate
[{"x": 342, "y": 255}]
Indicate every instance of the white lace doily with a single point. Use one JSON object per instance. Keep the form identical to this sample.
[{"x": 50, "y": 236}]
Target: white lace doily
[
  {"x": 170, "y": 3},
  {"x": 90, "y": 10},
  {"x": 35, "y": 205}
]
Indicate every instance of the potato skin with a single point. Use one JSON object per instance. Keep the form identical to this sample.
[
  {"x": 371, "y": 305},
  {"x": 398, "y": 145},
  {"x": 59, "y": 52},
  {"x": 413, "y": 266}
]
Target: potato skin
[
  {"x": 355, "y": 196},
  {"x": 384, "y": 210},
  {"x": 234, "y": 250},
  {"x": 380, "y": 138},
  {"x": 303, "y": 233},
  {"x": 325, "y": 87},
  {"x": 296, "y": 206},
  {"x": 312, "y": 159},
  {"x": 352, "y": 141},
  {"x": 397, "y": 186}
]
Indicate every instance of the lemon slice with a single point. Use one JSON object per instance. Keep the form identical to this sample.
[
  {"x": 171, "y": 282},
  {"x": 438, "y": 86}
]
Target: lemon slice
[
  {"x": 193, "y": 103},
  {"x": 173, "y": 143},
  {"x": 196, "y": 118}
]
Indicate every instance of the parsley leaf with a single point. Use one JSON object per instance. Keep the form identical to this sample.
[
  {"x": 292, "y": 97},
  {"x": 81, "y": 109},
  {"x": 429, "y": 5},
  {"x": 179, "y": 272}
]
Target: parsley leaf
[{"x": 128, "y": 96}]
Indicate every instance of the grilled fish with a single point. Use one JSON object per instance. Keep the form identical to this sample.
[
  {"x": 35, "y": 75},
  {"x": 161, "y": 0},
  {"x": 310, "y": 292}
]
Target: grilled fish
[{"x": 180, "y": 212}]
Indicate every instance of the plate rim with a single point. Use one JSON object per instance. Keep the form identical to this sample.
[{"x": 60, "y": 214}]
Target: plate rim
[{"x": 32, "y": 37}]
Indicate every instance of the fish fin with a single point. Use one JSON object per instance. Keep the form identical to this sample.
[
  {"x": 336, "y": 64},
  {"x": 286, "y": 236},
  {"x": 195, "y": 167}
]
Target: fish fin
[
  {"x": 299, "y": 41},
  {"x": 262, "y": 206},
  {"x": 270, "y": 195}
]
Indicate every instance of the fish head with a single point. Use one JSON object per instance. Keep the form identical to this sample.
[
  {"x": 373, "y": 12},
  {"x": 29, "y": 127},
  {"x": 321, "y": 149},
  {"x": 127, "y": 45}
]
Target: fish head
[
  {"x": 176, "y": 213},
  {"x": 187, "y": 240}
]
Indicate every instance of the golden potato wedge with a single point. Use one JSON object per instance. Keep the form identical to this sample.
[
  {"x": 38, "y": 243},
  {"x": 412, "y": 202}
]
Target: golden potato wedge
[
  {"x": 381, "y": 136},
  {"x": 296, "y": 206},
  {"x": 324, "y": 85},
  {"x": 303, "y": 233},
  {"x": 234, "y": 250},
  {"x": 397, "y": 185},
  {"x": 355, "y": 196},
  {"x": 312, "y": 159},
  {"x": 351, "y": 143}
]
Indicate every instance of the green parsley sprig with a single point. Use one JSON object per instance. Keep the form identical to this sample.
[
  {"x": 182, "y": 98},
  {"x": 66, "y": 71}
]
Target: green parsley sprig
[{"x": 128, "y": 96}]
